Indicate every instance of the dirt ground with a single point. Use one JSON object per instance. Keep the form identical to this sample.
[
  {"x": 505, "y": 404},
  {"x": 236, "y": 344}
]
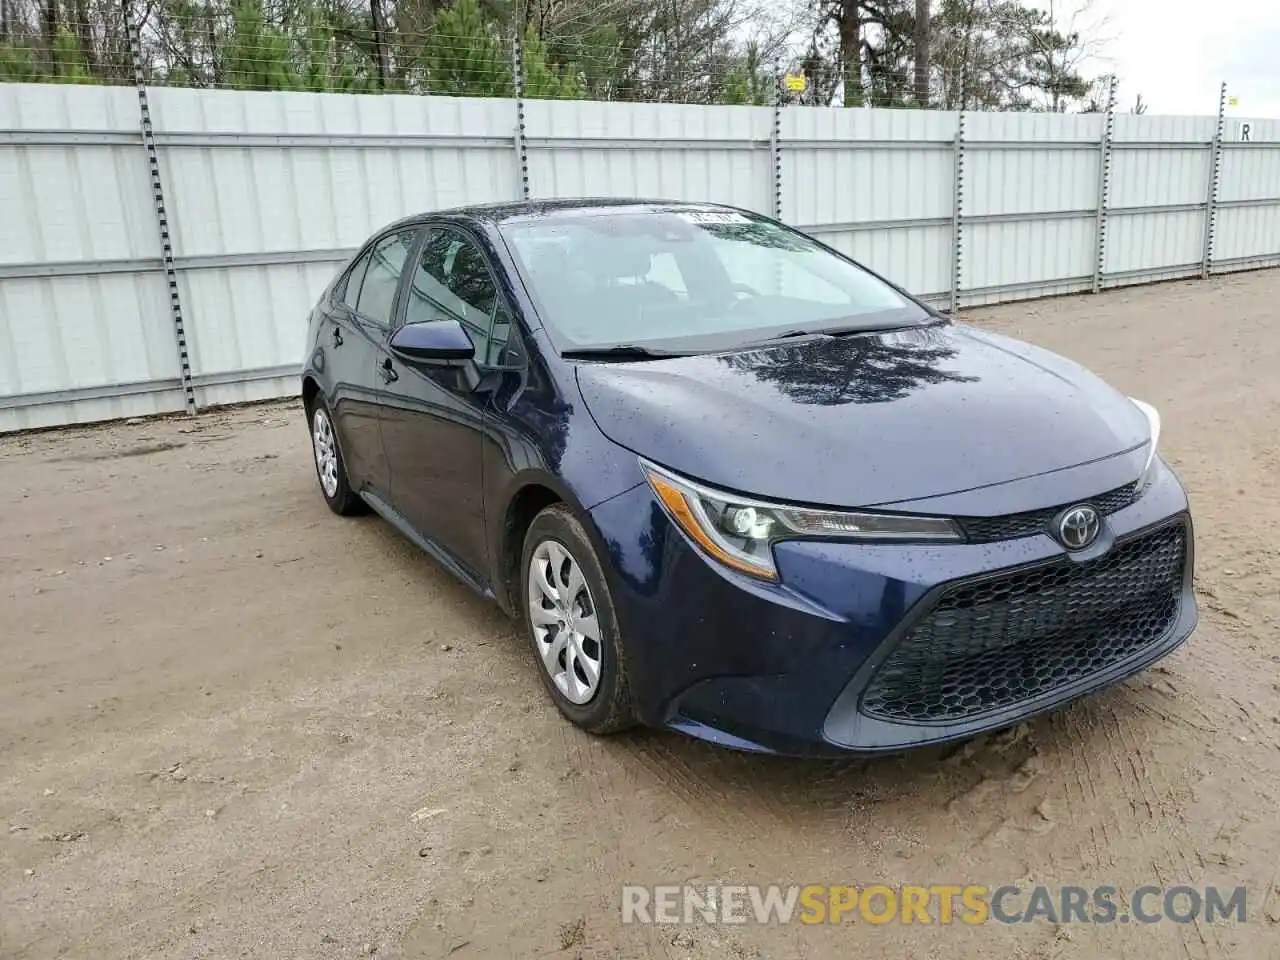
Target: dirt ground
[{"x": 235, "y": 725}]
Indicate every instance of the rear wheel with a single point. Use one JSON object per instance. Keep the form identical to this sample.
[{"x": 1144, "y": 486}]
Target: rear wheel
[
  {"x": 330, "y": 468},
  {"x": 568, "y": 613}
]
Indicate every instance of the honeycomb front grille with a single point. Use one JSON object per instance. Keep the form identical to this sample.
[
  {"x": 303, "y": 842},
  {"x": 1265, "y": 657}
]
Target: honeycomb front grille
[
  {"x": 992, "y": 643},
  {"x": 1014, "y": 525}
]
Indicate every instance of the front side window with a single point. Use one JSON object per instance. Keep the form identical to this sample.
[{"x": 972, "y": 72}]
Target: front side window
[
  {"x": 377, "y": 295},
  {"x": 676, "y": 276},
  {"x": 452, "y": 282}
]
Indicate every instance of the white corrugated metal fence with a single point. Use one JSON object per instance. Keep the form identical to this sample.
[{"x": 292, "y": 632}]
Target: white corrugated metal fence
[{"x": 265, "y": 193}]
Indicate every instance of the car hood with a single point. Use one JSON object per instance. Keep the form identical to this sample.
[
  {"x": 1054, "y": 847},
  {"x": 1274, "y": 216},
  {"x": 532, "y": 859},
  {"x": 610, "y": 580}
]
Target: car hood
[{"x": 864, "y": 419}]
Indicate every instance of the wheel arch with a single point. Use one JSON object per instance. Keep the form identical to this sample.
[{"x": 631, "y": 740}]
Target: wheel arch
[
  {"x": 526, "y": 501},
  {"x": 530, "y": 495},
  {"x": 310, "y": 389}
]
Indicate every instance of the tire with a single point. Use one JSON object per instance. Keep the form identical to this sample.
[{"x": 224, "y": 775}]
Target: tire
[
  {"x": 331, "y": 469},
  {"x": 554, "y": 537}
]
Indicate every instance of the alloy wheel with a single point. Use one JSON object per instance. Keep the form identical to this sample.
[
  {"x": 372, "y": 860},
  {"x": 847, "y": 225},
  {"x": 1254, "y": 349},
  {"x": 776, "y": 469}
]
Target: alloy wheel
[
  {"x": 326, "y": 451},
  {"x": 566, "y": 630}
]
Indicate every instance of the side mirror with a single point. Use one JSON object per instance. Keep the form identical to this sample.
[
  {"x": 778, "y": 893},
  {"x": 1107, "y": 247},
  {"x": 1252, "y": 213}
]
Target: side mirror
[{"x": 433, "y": 340}]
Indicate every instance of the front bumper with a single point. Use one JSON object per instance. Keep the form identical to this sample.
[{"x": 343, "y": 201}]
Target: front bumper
[{"x": 799, "y": 667}]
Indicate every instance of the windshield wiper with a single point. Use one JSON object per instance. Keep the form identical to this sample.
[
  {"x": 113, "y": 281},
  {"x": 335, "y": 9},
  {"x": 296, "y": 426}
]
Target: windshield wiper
[
  {"x": 793, "y": 334},
  {"x": 836, "y": 331},
  {"x": 619, "y": 351}
]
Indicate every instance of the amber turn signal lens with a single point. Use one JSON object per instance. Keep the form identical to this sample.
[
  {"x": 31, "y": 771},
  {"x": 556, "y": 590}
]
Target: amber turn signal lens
[{"x": 681, "y": 510}]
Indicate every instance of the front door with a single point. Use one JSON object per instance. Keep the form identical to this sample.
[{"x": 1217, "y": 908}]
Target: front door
[{"x": 432, "y": 415}]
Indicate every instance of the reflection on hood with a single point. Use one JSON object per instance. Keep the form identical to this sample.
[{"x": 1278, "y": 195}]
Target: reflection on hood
[{"x": 876, "y": 368}]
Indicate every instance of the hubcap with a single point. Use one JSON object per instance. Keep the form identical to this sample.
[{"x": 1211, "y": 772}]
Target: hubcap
[
  {"x": 565, "y": 628},
  {"x": 326, "y": 451}
]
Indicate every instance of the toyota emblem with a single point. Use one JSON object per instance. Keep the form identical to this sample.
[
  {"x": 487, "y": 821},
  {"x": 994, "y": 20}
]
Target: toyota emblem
[{"x": 1078, "y": 527}]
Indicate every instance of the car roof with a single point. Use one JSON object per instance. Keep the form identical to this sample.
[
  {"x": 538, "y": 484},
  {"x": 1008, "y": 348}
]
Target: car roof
[{"x": 508, "y": 210}]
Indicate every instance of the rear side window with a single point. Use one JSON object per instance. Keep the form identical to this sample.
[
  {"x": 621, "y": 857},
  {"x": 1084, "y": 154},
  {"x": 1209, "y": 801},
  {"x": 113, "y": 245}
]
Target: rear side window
[
  {"x": 348, "y": 288},
  {"x": 377, "y": 295}
]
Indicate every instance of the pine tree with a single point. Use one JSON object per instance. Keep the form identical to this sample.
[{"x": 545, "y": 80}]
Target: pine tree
[{"x": 465, "y": 56}]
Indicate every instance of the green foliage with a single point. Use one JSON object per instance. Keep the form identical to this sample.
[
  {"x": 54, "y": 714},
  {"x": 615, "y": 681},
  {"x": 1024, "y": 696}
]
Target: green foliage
[
  {"x": 18, "y": 64},
  {"x": 746, "y": 80},
  {"x": 464, "y": 55},
  {"x": 62, "y": 61},
  {"x": 302, "y": 55},
  {"x": 542, "y": 80},
  {"x": 594, "y": 49},
  {"x": 993, "y": 54}
]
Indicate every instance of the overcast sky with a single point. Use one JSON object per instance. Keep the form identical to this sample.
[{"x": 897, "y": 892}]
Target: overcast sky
[{"x": 1176, "y": 52}]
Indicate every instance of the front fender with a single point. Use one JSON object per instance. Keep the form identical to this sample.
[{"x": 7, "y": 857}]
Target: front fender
[{"x": 571, "y": 462}]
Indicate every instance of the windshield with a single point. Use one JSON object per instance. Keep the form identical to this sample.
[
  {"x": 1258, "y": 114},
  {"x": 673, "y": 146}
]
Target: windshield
[{"x": 692, "y": 279}]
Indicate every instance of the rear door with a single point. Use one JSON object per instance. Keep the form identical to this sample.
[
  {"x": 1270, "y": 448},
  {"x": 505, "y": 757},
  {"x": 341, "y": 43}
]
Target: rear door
[
  {"x": 365, "y": 325},
  {"x": 340, "y": 342}
]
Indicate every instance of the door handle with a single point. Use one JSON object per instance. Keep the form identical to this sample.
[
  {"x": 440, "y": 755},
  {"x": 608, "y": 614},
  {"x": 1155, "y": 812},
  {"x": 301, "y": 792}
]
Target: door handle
[
  {"x": 337, "y": 337},
  {"x": 389, "y": 371}
]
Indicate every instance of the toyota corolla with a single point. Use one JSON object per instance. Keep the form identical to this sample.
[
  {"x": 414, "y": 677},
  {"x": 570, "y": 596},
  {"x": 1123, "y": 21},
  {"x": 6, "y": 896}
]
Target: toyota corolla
[{"x": 734, "y": 484}]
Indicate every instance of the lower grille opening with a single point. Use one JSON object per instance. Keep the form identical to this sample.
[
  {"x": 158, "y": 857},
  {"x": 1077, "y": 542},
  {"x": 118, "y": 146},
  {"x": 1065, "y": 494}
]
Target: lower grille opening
[{"x": 996, "y": 642}]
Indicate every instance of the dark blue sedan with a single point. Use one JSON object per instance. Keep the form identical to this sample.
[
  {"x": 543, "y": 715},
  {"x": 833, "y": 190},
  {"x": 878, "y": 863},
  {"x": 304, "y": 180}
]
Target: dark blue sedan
[{"x": 734, "y": 484}]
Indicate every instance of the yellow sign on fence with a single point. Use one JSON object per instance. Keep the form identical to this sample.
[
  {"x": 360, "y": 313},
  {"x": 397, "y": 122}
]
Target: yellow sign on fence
[{"x": 795, "y": 82}]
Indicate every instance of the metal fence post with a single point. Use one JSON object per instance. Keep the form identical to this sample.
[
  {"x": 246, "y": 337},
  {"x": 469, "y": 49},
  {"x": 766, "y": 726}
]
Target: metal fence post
[
  {"x": 957, "y": 207},
  {"x": 162, "y": 215},
  {"x": 1215, "y": 181},
  {"x": 517, "y": 80},
  {"x": 775, "y": 144},
  {"x": 1104, "y": 184}
]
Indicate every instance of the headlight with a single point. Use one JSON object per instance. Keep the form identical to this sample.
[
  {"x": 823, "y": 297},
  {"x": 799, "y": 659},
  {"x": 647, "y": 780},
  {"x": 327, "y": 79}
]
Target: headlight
[
  {"x": 740, "y": 532},
  {"x": 1153, "y": 420}
]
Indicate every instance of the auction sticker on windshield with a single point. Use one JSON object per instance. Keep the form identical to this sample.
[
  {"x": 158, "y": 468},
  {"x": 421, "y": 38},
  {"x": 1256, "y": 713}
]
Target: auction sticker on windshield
[{"x": 706, "y": 216}]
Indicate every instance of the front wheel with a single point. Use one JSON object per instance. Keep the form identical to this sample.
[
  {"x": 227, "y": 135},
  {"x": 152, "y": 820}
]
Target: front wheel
[{"x": 568, "y": 614}]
